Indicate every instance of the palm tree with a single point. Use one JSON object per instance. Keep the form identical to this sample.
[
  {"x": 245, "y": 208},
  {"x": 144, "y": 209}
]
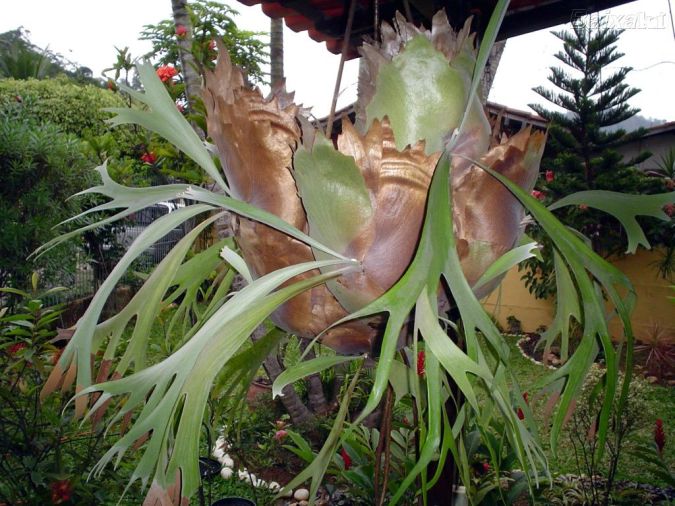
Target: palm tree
[
  {"x": 363, "y": 246},
  {"x": 191, "y": 78}
]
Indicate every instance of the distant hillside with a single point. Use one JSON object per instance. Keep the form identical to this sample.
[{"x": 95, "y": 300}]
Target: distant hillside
[{"x": 636, "y": 122}]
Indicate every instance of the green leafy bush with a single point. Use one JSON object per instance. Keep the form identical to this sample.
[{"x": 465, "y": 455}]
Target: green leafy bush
[
  {"x": 45, "y": 457},
  {"x": 40, "y": 167},
  {"x": 77, "y": 109}
]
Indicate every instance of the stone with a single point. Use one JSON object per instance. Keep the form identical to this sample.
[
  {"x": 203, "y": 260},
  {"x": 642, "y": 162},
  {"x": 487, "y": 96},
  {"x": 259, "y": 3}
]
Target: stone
[
  {"x": 227, "y": 461},
  {"x": 302, "y": 494},
  {"x": 226, "y": 473}
]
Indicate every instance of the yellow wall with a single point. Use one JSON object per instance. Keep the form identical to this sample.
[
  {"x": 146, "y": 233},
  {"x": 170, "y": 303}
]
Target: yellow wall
[{"x": 653, "y": 309}]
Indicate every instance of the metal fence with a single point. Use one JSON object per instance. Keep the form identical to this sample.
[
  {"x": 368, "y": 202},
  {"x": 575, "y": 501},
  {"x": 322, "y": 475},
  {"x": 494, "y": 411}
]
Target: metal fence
[{"x": 83, "y": 282}]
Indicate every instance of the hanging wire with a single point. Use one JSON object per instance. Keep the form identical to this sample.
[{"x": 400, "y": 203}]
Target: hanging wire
[
  {"x": 376, "y": 20},
  {"x": 343, "y": 57},
  {"x": 672, "y": 23}
]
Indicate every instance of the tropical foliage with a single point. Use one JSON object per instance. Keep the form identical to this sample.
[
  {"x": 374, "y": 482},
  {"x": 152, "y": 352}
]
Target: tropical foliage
[
  {"x": 40, "y": 167},
  {"x": 211, "y": 22},
  {"x": 581, "y": 153},
  {"x": 378, "y": 248}
]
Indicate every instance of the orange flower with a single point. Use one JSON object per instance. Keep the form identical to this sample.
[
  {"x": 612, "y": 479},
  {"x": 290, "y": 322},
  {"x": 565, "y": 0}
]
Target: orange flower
[{"x": 166, "y": 73}]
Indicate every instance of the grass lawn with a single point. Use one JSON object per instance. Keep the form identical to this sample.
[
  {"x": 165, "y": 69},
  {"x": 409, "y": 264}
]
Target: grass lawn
[{"x": 659, "y": 402}]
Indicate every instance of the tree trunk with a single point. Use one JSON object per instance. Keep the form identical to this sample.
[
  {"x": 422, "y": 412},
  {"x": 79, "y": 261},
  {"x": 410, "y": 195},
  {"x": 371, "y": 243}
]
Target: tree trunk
[
  {"x": 276, "y": 51},
  {"x": 316, "y": 396},
  {"x": 297, "y": 410},
  {"x": 491, "y": 69},
  {"x": 181, "y": 17}
]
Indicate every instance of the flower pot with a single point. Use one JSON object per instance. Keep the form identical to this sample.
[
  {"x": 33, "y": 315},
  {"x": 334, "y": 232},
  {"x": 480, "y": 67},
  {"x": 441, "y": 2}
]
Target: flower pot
[
  {"x": 233, "y": 501},
  {"x": 208, "y": 468}
]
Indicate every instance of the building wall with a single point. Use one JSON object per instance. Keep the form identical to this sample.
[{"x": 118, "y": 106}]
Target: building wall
[
  {"x": 658, "y": 145},
  {"x": 653, "y": 308}
]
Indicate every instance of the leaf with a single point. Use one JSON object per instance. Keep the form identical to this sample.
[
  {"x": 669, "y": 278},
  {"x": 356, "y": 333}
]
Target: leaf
[
  {"x": 567, "y": 306},
  {"x": 580, "y": 260},
  {"x": 172, "y": 394},
  {"x": 252, "y": 212},
  {"x": 504, "y": 263},
  {"x": 306, "y": 368},
  {"x": 333, "y": 193},
  {"x": 80, "y": 348},
  {"x": 130, "y": 199},
  {"x": 624, "y": 208},
  {"x": 164, "y": 118},
  {"x": 320, "y": 463},
  {"x": 422, "y": 95},
  {"x": 237, "y": 263}
]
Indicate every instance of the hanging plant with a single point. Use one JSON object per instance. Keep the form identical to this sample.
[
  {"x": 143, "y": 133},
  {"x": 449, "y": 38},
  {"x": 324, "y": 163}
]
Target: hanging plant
[{"x": 365, "y": 246}]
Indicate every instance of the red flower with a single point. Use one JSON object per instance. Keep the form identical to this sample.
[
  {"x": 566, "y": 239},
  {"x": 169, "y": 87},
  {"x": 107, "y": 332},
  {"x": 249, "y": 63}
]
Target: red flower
[
  {"x": 420, "y": 363},
  {"x": 550, "y": 176},
  {"x": 486, "y": 467},
  {"x": 583, "y": 207},
  {"x": 62, "y": 491},
  {"x": 212, "y": 45},
  {"x": 181, "y": 31},
  {"x": 111, "y": 85},
  {"x": 669, "y": 209},
  {"x": 148, "y": 157},
  {"x": 521, "y": 414},
  {"x": 346, "y": 459},
  {"x": 539, "y": 195},
  {"x": 15, "y": 348},
  {"x": 659, "y": 435},
  {"x": 166, "y": 73},
  {"x": 280, "y": 435}
]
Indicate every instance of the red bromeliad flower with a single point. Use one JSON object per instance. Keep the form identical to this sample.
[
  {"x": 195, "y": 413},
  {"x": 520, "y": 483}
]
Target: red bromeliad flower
[
  {"x": 539, "y": 195},
  {"x": 280, "y": 435},
  {"x": 521, "y": 414},
  {"x": 346, "y": 459},
  {"x": 62, "y": 491},
  {"x": 166, "y": 73},
  {"x": 550, "y": 176},
  {"x": 420, "y": 363},
  {"x": 181, "y": 31},
  {"x": 148, "y": 157},
  {"x": 659, "y": 435},
  {"x": 15, "y": 348}
]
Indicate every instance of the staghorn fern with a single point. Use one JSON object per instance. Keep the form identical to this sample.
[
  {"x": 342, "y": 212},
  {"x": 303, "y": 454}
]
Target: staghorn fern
[{"x": 347, "y": 246}]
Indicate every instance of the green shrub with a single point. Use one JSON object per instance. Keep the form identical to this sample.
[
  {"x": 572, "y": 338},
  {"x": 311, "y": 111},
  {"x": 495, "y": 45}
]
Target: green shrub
[
  {"x": 77, "y": 109},
  {"x": 40, "y": 167}
]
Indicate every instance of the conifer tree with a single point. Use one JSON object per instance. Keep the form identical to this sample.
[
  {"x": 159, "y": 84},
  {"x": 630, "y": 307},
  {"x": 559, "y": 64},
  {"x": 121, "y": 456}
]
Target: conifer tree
[{"x": 580, "y": 153}]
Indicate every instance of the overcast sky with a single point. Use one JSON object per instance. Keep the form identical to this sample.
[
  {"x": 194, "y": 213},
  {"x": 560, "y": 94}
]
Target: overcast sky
[{"x": 86, "y": 31}]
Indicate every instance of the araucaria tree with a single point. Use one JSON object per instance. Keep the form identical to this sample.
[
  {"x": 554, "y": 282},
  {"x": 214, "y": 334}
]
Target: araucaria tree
[
  {"x": 580, "y": 153},
  {"x": 368, "y": 245}
]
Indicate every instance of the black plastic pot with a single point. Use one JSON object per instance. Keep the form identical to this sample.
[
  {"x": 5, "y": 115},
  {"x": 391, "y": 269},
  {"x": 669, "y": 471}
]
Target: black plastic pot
[
  {"x": 208, "y": 468},
  {"x": 233, "y": 501}
]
